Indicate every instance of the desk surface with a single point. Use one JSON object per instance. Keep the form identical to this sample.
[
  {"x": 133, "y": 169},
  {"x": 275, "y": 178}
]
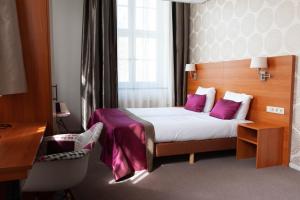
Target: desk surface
[{"x": 18, "y": 148}]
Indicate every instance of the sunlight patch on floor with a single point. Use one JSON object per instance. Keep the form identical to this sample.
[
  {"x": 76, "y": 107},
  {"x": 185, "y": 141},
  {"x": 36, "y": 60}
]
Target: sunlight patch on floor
[{"x": 137, "y": 177}]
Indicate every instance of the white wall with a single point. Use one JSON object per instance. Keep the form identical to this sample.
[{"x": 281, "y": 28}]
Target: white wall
[
  {"x": 235, "y": 29},
  {"x": 66, "y": 27}
]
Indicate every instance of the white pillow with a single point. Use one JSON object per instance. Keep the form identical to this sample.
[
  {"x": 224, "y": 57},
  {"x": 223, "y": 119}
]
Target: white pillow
[
  {"x": 240, "y": 97},
  {"x": 210, "y": 97}
]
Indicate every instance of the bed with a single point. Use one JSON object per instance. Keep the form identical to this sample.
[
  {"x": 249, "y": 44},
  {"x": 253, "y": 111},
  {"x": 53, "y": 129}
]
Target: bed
[
  {"x": 176, "y": 124},
  {"x": 132, "y": 137},
  {"x": 180, "y": 131}
]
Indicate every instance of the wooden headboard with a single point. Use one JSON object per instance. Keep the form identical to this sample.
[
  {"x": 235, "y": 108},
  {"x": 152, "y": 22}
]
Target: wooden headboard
[{"x": 238, "y": 77}]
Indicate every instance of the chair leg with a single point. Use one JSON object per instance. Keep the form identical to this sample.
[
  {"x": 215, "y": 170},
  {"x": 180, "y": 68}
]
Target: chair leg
[{"x": 69, "y": 195}]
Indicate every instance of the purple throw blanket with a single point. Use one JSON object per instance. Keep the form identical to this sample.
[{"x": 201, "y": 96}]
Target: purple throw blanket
[{"x": 127, "y": 141}]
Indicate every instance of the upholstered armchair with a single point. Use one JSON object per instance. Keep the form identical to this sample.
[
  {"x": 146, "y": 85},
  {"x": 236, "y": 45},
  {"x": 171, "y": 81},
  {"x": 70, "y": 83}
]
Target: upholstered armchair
[{"x": 63, "y": 161}]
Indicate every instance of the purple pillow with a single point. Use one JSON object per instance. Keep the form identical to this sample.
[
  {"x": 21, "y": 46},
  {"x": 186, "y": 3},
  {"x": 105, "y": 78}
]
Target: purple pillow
[
  {"x": 195, "y": 102},
  {"x": 225, "y": 109}
]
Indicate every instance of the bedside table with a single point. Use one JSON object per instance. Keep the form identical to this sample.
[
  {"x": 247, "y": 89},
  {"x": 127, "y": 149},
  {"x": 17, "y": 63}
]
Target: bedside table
[
  {"x": 61, "y": 112},
  {"x": 260, "y": 140}
]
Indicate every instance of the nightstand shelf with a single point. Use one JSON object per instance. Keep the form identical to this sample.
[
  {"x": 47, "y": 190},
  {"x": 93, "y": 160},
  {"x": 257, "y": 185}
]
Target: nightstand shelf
[
  {"x": 250, "y": 140},
  {"x": 260, "y": 140}
]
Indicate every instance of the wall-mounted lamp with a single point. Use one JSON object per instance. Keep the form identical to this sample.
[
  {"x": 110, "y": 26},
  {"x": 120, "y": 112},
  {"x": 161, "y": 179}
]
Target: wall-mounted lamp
[
  {"x": 191, "y": 68},
  {"x": 261, "y": 64}
]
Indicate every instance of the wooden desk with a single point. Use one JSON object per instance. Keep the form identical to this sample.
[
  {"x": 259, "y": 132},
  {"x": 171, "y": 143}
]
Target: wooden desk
[{"x": 18, "y": 148}]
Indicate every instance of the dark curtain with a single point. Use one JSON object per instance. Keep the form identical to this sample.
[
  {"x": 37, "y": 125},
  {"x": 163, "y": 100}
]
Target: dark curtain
[
  {"x": 99, "y": 81},
  {"x": 181, "y": 26}
]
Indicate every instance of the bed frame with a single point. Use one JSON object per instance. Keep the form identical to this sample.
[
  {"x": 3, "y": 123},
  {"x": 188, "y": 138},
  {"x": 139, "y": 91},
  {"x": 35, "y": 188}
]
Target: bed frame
[
  {"x": 237, "y": 76},
  {"x": 195, "y": 146}
]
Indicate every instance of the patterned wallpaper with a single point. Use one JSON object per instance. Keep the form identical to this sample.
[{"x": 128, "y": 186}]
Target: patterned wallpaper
[{"x": 235, "y": 29}]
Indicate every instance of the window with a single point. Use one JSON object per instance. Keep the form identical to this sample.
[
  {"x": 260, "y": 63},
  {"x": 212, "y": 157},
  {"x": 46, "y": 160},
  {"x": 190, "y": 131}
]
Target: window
[
  {"x": 140, "y": 42},
  {"x": 143, "y": 46}
]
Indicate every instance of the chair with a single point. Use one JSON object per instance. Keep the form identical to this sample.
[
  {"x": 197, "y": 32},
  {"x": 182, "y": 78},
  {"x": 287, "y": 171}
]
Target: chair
[{"x": 62, "y": 170}]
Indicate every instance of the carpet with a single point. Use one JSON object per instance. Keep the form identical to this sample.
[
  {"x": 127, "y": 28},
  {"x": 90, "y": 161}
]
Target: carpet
[{"x": 214, "y": 176}]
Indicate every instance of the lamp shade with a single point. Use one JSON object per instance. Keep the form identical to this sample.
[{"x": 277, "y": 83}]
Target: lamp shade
[
  {"x": 259, "y": 63},
  {"x": 12, "y": 71},
  {"x": 190, "y": 67}
]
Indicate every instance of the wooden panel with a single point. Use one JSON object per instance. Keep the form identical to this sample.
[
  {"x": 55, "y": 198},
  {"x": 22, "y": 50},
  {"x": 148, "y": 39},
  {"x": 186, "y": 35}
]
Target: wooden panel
[
  {"x": 238, "y": 77},
  {"x": 245, "y": 149},
  {"x": 35, "y": 105},
  {"x": 248, "y": 135},
  {"x": 269, "y": 147},
  {"x": 195, "y": 146}
]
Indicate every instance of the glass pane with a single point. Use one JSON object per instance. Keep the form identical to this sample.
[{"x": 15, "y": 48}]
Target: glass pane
[
  {"x": 146, "y": 3},
  {"x": 122, "y": 2},
  {"x": 145, "y": 48},
  {"x": 123, "y": 47},
  {"x": 122, "y": 17},
  {"x": 145, "y": 19},
  {"x": 145, "y": 71},
  {"x": 123, "y": 70}
]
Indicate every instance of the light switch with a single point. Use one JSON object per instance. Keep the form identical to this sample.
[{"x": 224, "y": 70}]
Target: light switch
[
  {"x": 276, "y": 110},
  {"x": 280, "y": 111}
]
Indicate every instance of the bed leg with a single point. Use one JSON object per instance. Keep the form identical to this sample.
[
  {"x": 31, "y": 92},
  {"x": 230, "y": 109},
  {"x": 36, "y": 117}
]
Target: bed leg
[{"x": 192, "y": 158}]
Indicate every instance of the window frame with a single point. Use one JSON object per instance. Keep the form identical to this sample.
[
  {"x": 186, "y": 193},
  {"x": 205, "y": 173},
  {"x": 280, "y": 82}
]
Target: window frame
[{"x": 132, "y": 34}]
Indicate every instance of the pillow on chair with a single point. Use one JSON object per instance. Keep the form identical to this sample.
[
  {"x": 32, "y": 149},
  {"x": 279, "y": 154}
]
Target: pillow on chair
[
  {"x": 63, "y": 143},
  {"x": 88, "y": 139}
]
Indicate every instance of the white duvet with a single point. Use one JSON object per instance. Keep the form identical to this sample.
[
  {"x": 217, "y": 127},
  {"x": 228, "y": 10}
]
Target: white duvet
[{"x": 177, "y": 124}]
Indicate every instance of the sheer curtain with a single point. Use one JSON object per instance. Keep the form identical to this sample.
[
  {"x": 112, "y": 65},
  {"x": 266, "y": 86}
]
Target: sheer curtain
[{"x": 144, "y": 53}]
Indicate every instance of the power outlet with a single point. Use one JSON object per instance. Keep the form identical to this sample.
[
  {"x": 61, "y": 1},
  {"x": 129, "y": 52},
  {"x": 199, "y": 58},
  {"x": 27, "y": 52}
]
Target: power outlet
[{"x": 276, "y": 110}]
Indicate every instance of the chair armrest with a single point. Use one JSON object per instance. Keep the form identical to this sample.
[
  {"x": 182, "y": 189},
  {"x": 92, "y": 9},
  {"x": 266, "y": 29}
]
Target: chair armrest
[
  {"x": 61, "y": 137},
  {"x": 64, "y": 156}
]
